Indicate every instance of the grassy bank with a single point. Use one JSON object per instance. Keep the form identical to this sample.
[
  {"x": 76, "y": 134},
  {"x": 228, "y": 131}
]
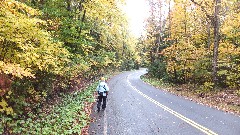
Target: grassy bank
[
  {"x": 225, "y": 99},
  {"x": 69, "y": 115}
]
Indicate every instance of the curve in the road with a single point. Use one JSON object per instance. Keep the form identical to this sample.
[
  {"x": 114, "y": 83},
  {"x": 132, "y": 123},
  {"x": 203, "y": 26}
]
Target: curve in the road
[
  {"x": 136, "y": 107},
  {"x": 189, "y": 121}
]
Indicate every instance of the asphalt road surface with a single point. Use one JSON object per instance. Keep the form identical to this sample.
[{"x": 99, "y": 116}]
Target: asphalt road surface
[{"x": 136, "y": 108}]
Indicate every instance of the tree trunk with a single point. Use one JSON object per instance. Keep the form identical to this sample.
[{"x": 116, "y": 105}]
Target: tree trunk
[
  {"x": 160, "y": 28},
  {"x": 83, "y": 17},
  {"x": 216, "y": 40},
  {"x": 169, "y": 15},
  {"x": 185, "y": 21},
  {"x": 209, "y": 35},
  {"x": 151, "y": 56},
  {"x": 69, "y": 5}
]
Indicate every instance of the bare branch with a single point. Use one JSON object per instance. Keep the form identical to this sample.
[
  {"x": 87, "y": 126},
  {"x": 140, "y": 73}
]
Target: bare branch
[{"x": 210, "y": 17}]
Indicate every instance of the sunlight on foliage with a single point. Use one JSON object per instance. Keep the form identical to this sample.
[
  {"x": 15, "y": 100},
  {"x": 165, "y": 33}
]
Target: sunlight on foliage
[
  {"x": 49, "y": 48},
  {"x": 179, "y": 48}
]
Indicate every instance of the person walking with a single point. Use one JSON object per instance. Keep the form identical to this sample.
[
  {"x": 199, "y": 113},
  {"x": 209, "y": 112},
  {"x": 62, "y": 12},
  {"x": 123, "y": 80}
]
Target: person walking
[{"x": 102, "y": 90}]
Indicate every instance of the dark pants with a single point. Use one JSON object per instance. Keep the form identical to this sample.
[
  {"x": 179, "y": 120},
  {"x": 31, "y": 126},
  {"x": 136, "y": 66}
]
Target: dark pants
[{"x": 100, "y": 99}]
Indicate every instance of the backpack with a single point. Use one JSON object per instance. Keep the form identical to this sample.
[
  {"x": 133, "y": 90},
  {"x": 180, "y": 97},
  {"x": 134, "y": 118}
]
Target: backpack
[{"x": 101, "y": 93}]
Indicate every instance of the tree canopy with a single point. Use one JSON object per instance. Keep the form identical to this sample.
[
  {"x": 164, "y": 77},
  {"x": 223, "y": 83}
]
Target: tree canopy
[
  {"x": 197, "y": 42},
  {"x": 46, "y": 45}
]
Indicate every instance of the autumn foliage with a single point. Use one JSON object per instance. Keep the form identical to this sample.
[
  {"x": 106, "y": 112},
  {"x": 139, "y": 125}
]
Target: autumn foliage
[
  {"x": 181, "y": 44},
  {"x": 47, "y": 47}
]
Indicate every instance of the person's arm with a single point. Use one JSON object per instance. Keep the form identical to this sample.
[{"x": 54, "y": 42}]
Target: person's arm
[{"x": 107, "y": 88}]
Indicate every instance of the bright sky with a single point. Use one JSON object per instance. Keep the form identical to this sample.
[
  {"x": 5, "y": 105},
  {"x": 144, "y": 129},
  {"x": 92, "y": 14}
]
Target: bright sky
[{"x": 137, "y": 11}]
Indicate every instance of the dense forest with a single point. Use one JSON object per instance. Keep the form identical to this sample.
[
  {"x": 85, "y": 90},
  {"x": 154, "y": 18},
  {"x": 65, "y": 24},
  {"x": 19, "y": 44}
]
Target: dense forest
[
  {"x": 194, "y": 42},
  {"x": 54, "y": 47},
  {"x": 51, "y": 48}
]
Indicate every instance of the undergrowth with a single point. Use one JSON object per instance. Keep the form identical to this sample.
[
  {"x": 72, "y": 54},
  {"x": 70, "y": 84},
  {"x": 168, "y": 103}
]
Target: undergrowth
[{"x": 67, "y": 117}]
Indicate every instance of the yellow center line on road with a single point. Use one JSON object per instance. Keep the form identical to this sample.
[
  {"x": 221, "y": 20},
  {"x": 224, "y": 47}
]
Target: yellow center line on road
[{"x": 180, "y": 116}]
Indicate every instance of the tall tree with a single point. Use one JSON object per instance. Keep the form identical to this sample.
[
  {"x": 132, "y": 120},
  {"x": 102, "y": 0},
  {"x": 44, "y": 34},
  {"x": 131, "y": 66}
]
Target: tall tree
[{"x": 216, "y": 22}]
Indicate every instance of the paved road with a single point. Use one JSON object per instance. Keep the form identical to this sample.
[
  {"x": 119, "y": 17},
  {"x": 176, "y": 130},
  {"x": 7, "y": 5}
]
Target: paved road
[{"x": 136, "y": 108}]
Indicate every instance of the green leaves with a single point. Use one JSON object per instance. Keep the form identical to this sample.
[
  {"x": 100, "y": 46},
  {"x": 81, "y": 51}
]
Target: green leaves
[
  {"x": 43, "y": 52},
  {"x": 66, "y": 117}
]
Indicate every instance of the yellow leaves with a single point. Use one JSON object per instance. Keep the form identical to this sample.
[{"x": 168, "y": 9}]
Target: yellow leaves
[
  {"x": 231, "y": 26},
  {"x": 94, "y": 63},
  {"x": 100, "y": 8},
  {"x": 15, "y": 70},
  {"x": 87, "y": 49},
  {"x": 36, "y": 96},
  {"x": 31, "y": 91},
  {"x": 4, "y": 107},
  {"x": 182, "y": 56},
  {"x": 44, "y": 94},
  {"x": 53, "y": 25},
  {"x": 26, "y": 44},
  {"x": 107, "y": 20},
  {"x": 9, "y": 93},
  {"x": 16, "y": 7},
  {"x": 21, "y": 30},
  {"x": 3, "y": 103},
  {"x": 107, "y": 61}
]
